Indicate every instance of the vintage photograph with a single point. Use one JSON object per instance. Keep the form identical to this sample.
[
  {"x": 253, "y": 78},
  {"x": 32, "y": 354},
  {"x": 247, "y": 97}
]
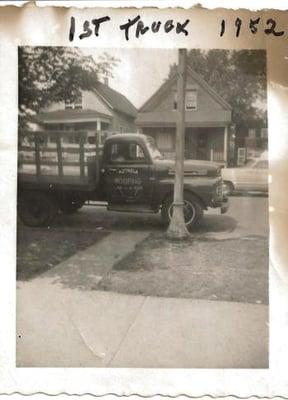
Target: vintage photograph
[{"x": 142, "y": 231}]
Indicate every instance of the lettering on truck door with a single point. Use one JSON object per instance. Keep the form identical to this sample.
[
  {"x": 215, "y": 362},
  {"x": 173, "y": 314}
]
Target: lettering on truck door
[{"x": 128, "y": 174}]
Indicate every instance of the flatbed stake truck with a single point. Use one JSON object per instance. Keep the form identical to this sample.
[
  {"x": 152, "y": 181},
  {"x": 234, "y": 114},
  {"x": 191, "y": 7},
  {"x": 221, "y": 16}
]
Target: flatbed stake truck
[{"x": 128, "y": 173}]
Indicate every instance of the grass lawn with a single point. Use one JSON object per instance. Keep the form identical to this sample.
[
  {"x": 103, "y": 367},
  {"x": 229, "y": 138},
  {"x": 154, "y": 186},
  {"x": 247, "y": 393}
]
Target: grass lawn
[{"x": 40, "y": 249}]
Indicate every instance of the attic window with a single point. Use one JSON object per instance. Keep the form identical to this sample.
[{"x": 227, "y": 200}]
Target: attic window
[
  {"x": 68, "y": 105},
  {"x": 78, "y": 103},
  {"x": 190, "y": 101}
]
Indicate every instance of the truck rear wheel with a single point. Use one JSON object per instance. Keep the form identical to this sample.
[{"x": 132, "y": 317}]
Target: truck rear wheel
[
  {"x": 37, "y": 208},
  {"x": 192, "y": 210}
]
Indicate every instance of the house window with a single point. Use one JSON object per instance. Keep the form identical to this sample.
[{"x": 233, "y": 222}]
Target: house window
[
  {"x": 91, "y": 139},
  {"x": 104, "y": 126},
  {"x": 76, "y": 105},
  {"x": 73, "y": 138},
  {"x": 52, "y": 139},
  {"x": 68, "y": 105},
  {"x": 190, "y": 100}
]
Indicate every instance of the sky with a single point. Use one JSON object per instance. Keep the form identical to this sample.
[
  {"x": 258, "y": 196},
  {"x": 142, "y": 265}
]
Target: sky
[{"x": 140, "y": 72}]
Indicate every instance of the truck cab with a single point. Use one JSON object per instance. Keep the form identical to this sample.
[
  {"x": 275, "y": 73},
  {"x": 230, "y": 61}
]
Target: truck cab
[{"x": 136, "y": 177}]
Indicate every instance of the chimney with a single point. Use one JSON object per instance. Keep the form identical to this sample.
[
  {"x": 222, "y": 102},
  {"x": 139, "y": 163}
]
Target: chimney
[{"x": 106, "y": 80}]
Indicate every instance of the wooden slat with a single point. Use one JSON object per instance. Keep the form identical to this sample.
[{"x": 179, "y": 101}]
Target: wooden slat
[
  {"x": 37, "y": 156},
  {"x": 54, "y": 149},
  {"x": 81, "y": 156},
  {"x": 97, "y": 163},
  {"x": 59, "y": 157},
  {"x": 48, "y": 132},
  {"x": 55, "y": 163},
  {"x": 41, "y": 154}
]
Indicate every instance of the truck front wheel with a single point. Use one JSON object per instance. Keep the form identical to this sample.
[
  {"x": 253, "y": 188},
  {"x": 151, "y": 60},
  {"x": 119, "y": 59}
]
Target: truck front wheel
[
  {"x": 36, "y": 208},
  {"x": 192, "y": 210}
]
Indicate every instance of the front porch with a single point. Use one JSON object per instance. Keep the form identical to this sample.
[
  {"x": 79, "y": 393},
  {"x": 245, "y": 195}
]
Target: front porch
[
  {"x": 70, "y": 122},
  {"x": 203, "y": 143}
]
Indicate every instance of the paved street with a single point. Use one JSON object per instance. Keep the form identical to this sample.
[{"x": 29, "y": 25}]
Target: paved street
[
  {"x": 226, "y": 260},
  {"x": 247, "y": 215}
]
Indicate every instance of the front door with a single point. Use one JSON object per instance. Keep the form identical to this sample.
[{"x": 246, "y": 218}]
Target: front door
[
  {"x": 202, "y": 146},
  {"x": 128, "y": 175}
]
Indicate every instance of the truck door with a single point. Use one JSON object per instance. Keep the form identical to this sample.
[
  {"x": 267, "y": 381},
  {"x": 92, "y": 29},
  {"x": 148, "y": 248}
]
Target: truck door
[{"x": 128, "y": 175}]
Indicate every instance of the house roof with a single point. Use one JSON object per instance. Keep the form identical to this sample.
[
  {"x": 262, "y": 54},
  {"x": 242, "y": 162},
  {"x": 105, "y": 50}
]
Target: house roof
[
  {"x": 166, "y": 86},
  {"x": 78, "y": 115},
  {"x": 115, "y": 100}
]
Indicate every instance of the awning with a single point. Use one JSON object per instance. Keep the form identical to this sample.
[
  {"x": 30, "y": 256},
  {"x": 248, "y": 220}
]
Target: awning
[
  {"x": 72, "y": 116},
  {"x": 217, "y": 118}
]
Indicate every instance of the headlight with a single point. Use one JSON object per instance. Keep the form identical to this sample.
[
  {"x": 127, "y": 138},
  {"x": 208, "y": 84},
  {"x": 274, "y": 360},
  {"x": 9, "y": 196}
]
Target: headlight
[
  {"x": 225, "y": 190},
  {"x": 219, "y": 191}
]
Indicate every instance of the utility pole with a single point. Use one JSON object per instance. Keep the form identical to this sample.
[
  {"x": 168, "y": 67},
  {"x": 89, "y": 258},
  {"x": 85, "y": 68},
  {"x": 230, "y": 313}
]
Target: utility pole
[{"x": 177, "y": 228}]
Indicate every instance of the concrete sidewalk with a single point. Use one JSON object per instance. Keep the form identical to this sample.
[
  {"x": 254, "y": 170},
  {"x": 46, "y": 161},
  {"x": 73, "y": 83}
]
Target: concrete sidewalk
[
  {"x": 60, "y": 327},
  {"x": 59, "y": 324}
]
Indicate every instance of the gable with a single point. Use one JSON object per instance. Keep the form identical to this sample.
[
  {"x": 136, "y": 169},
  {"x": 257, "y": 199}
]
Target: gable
[
  {"x": 102, "y": 99},
  {"x": 207, "y": 98},
  {"x": 92, "y": 101}
]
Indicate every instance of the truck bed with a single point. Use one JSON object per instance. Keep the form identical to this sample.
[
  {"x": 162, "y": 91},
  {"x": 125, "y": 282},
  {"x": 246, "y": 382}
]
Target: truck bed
[{"x": 58, "y": 163}]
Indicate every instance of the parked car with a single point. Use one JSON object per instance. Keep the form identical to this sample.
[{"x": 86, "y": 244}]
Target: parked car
[{"x": 252, "y": 177}]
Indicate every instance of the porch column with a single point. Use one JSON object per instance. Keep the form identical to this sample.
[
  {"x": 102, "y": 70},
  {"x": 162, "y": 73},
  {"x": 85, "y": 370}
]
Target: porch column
[
  {"x": 225, "y": 151},
  {"x": 98, "y": 125}
]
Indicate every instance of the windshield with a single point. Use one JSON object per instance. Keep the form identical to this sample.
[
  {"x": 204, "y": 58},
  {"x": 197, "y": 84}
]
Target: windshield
[{"x": 153, "y": 149}]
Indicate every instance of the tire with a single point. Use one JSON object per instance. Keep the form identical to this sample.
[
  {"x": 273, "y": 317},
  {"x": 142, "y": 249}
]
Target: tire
[
  {"x": 37, "y": 208},
  {"x": 70, "y": 206},
  {"x": 229, "y": 187},
  {"x": 193, "y": 210}
]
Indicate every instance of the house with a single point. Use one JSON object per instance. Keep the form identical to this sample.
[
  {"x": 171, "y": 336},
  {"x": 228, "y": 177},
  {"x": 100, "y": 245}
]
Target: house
[
  {"x": 102, "y": 110},
  {"x": 207, "y": 119}
]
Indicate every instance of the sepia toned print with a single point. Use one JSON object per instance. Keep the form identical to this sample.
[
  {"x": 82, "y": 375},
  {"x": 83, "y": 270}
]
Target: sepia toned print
[{"x": 107, "y": 274}]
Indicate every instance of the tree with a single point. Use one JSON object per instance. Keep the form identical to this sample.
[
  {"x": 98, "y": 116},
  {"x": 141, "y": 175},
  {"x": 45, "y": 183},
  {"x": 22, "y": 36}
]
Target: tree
[
  {"x": 239, "y": 76},
  {"x": 54, "y": 74}
]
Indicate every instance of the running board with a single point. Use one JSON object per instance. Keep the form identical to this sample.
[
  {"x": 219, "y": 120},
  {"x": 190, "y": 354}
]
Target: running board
[{"x": 132, "y": 208}]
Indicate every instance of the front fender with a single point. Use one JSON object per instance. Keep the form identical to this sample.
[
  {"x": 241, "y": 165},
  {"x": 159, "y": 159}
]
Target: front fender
[{"x": 200, "y": 187}]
